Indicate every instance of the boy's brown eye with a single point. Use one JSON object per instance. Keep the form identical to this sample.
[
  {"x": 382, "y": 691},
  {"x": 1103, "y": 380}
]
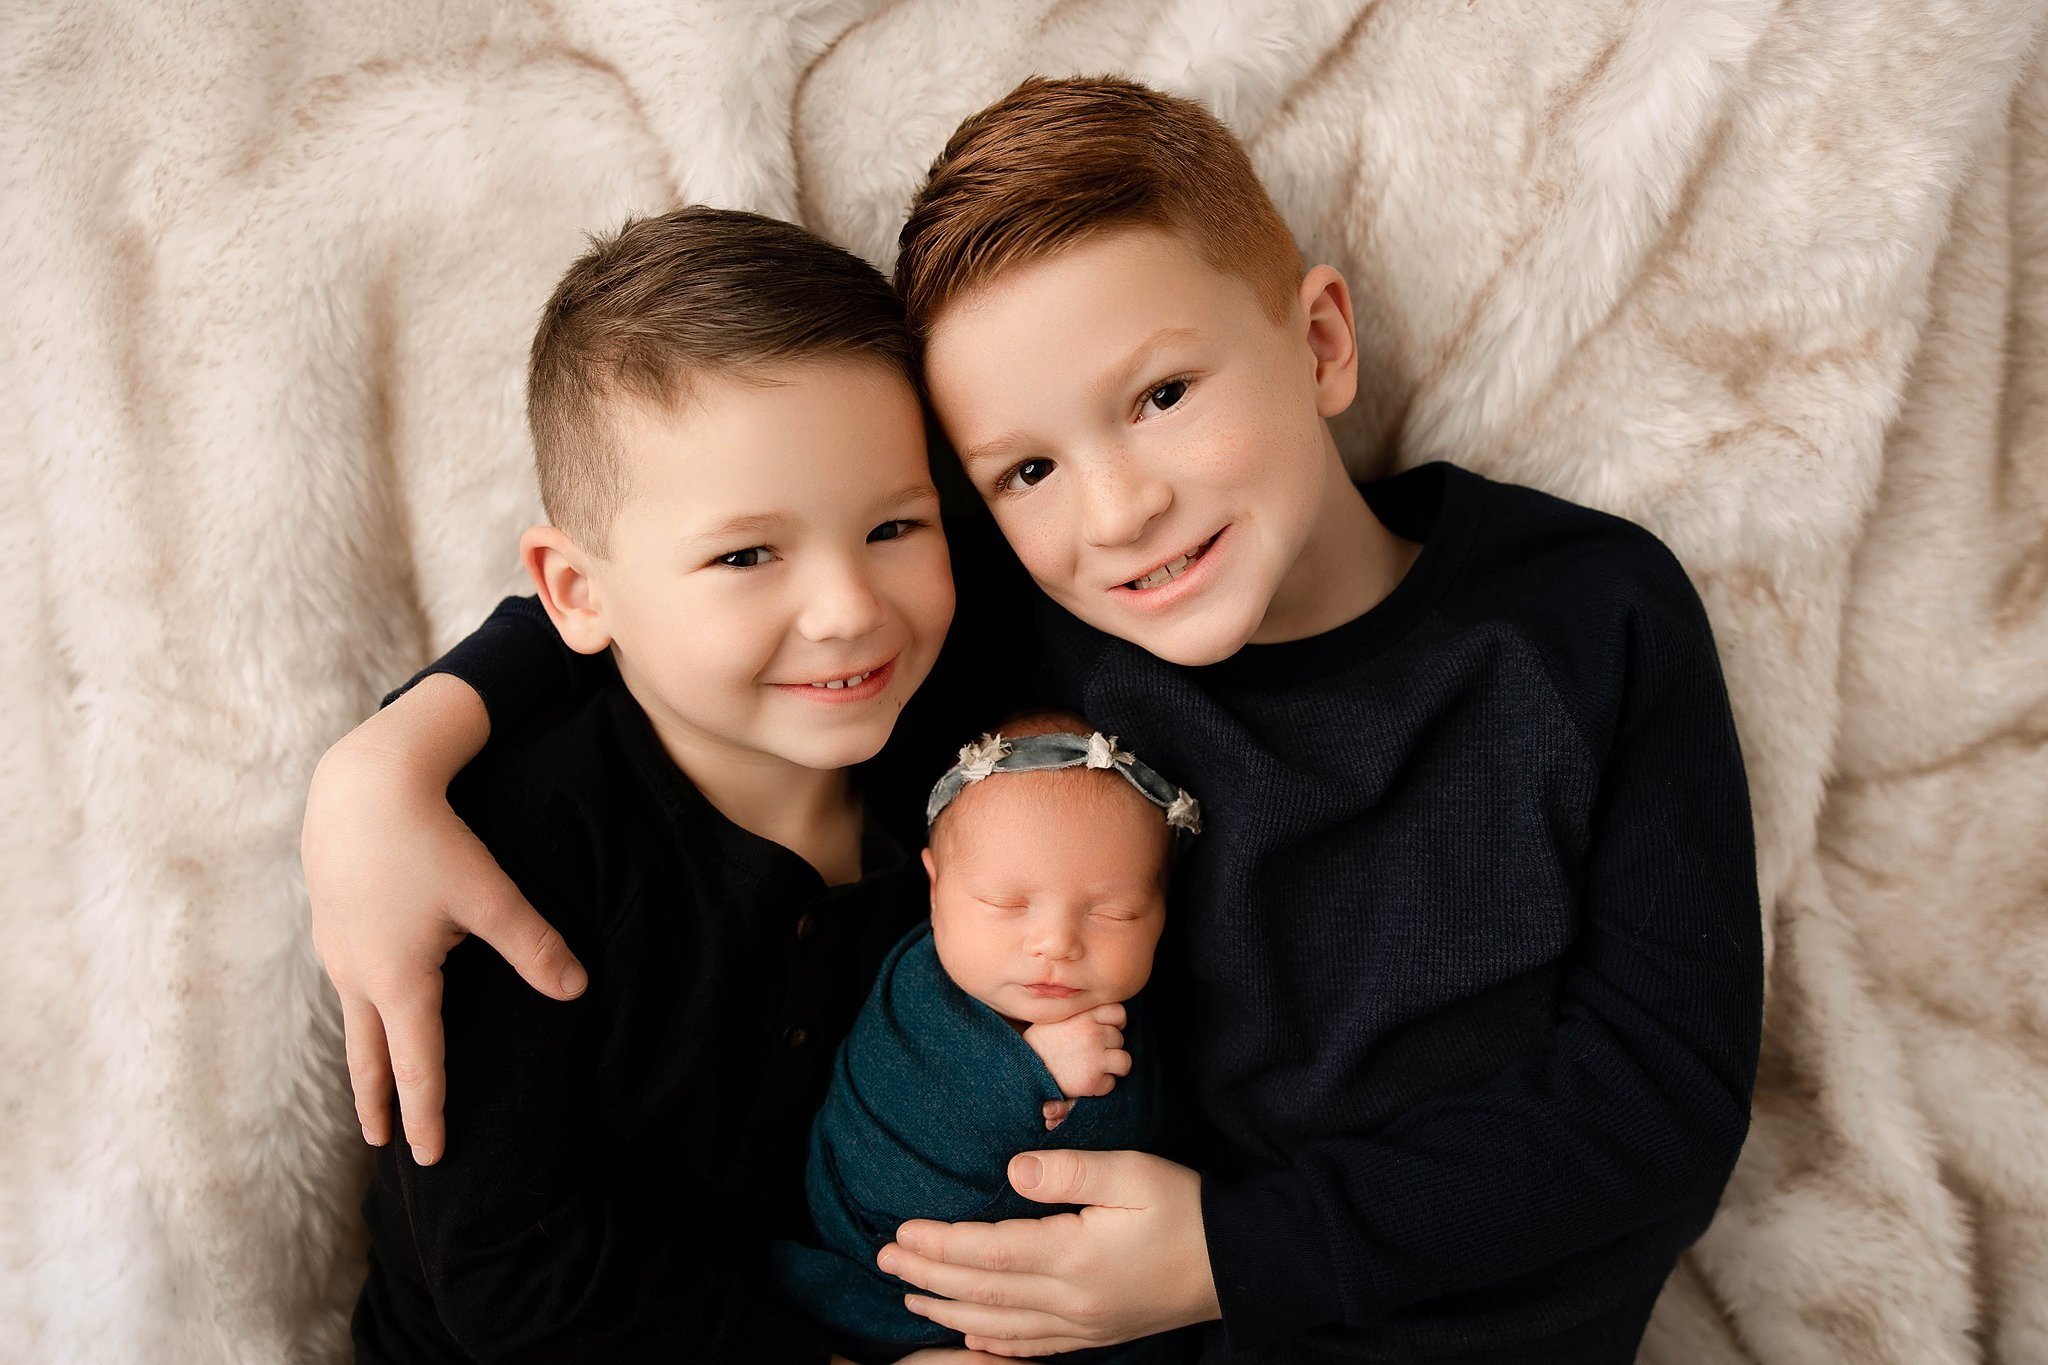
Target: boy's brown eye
[
  {"x": 1029, "y": 474},
  {"x": 1164, "y": 396}
]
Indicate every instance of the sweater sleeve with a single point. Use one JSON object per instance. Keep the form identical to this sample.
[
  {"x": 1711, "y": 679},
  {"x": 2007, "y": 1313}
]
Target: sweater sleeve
[
  {"x": 1621, "y": 1134},
  {"x": 516, "y": 661}
]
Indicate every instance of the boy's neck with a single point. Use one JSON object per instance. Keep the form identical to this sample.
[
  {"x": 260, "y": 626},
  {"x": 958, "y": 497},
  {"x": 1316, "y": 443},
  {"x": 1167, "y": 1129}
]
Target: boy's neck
[
  {"x": 1349, "y": 565},
  {"x": 813, "y": 812}
]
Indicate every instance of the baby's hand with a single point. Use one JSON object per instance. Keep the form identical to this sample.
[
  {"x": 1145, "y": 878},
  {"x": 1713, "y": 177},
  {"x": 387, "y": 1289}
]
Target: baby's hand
[{"x": 1085, "y": 1055}]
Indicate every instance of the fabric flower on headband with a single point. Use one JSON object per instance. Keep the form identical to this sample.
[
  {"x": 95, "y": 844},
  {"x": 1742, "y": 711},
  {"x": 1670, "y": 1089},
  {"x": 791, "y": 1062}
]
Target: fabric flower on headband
[{"x": 979, "y": 759}]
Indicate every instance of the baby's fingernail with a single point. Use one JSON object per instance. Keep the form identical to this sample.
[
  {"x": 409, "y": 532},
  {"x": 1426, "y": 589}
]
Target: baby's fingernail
[{"x": 574, "y": 979}]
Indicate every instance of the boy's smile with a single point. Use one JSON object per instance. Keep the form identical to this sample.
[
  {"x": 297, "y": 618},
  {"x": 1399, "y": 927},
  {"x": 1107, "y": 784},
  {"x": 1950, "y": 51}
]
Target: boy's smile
[{"x": 1153, "y": 443}]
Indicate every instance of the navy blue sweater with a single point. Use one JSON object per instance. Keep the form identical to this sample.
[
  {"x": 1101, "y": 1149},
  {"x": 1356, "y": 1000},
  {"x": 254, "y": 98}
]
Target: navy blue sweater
[{"x": 1465, "y": 971}]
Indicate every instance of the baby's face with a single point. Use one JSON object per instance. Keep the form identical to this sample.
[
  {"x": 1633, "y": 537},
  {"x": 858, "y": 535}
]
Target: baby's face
[{"x": 1048, "y": 892}]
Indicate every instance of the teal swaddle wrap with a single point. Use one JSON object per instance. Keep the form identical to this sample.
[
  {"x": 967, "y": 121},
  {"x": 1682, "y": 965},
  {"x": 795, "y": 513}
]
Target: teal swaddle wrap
[{"x": 932, "y": 1093}]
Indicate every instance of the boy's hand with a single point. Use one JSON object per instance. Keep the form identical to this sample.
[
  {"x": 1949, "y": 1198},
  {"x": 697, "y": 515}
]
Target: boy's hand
[
  {"x": 1084, "y": 1053},
  {"x": 1132, "y": 1263},
  {"x": 396, "y": 880}
]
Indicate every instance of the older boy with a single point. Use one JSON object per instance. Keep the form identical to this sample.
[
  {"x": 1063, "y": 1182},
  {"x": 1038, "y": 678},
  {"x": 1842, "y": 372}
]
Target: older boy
[{"x": 1469, "y": 959}]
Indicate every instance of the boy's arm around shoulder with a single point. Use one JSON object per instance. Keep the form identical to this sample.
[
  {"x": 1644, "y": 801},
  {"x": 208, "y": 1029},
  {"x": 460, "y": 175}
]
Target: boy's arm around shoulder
[
  {"x": 395, "y": 880},
  {"x": 516, "y": 662},
  {"x": 1623, "y": 1131},
  {"x": 537, "y": 1240}
]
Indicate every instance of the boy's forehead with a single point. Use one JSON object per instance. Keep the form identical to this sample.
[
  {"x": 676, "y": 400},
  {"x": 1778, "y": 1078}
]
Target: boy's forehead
[
  {"x": 1078, "y": 272},
  {"x": 847, "y": 434},
  {"x": 1091, "y": 312}
]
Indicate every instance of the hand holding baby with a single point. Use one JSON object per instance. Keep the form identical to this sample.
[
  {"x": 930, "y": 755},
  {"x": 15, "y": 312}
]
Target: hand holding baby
[{"x": 1085, "y": 1054}]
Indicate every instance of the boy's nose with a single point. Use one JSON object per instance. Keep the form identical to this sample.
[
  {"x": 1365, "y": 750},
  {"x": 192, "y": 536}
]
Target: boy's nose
[
  {"x": 841, "y": 606},
  {"x": 1121, "y": 499}
]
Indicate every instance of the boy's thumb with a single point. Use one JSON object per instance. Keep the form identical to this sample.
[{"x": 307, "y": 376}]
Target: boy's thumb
[{"x": 1063, "y": 1177}]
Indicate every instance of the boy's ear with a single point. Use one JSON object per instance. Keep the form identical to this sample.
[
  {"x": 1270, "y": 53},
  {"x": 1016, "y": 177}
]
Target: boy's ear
[
  {"x": 1332, "y": 338},
  {"x": 560, "y": 571}
]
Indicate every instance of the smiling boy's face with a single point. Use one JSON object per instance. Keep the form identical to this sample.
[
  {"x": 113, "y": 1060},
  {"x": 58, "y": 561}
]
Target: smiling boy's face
[
  {"x": 1153, "y": 443},
  {"x": 776, "y": 584}
]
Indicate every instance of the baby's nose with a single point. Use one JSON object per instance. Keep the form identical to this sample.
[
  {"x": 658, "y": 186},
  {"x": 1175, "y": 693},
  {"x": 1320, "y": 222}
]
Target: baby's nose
[{"x": 1057, "y": 941}]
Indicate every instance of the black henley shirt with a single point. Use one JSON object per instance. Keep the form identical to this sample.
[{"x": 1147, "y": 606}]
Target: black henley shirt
[{"x": 617, "y": 1165}]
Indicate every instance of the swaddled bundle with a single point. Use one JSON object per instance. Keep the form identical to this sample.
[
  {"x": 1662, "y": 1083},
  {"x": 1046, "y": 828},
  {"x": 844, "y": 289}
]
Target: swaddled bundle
[
  {"x": 1047, "y": 904},
  {"x": 932, "y": 1094}
]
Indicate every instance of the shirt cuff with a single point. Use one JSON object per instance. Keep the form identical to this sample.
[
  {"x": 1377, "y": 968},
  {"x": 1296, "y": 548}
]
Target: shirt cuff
[
  {"x": 1274, "y": 1280},
  {"x": 498, "y": 659}
]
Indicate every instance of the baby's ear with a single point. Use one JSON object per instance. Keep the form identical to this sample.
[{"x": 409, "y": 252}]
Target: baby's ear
[
  {"x": 561, "y": 576},
  {"x": 931, "y": 869}
]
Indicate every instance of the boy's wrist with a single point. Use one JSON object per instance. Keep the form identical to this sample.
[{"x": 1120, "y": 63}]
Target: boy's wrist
[{"x": 420, "y": 741}]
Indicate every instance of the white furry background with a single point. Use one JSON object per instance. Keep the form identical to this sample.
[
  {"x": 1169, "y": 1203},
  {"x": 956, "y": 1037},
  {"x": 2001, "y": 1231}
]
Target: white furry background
[{"x": 1771, "y": 279}]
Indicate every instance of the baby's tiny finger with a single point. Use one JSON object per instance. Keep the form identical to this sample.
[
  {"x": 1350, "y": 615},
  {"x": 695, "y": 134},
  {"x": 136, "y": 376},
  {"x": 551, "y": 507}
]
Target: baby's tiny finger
[
  {"x": 1113, "y": 1015},
  {"x": 1117, "y": 1063}
]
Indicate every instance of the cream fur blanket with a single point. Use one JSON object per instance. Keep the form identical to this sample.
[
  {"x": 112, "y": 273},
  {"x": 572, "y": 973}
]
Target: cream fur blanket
[{"x": 1772, "y": 280}]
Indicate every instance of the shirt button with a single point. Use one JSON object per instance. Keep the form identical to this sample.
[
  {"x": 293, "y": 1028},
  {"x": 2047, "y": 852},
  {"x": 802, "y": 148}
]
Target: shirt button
[
  {"x": 796, "y": 1037},
  {"x": 806, "y": 927}
]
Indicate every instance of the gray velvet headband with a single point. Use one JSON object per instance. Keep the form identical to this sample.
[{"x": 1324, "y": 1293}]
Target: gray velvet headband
[{"x": 1044, "y": 753}]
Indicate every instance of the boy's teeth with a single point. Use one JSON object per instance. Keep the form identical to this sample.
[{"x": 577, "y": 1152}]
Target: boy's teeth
[
  {"x": 1169, "y": 570},
  {"x": 854, "y": 681}
]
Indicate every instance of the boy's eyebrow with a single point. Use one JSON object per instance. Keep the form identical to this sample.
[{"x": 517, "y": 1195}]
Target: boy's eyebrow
[
  {"x": 1119, "y": 378},
  {"x": 993, "y": 449},
  {"x": 1125, "y": 374},
  {"x": 911, "y": 492},
  {"x": 756, "y": 523},
  {"x": 751, "y": 524}
]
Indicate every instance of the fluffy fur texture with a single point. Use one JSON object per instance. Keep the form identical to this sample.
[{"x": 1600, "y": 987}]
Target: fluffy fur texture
[{"x": 1772, "y": 280}]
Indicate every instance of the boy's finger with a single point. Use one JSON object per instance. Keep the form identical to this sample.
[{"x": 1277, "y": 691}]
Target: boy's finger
[
  {"x": 412, "y": 1026},
  {"x": 369, "y": 1069},
  {"x": 504, "y": 920}
]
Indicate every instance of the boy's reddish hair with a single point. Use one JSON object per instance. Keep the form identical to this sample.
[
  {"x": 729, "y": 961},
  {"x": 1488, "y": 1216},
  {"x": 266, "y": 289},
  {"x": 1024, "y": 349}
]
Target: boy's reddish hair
[{"x": 1055, "y": 161}]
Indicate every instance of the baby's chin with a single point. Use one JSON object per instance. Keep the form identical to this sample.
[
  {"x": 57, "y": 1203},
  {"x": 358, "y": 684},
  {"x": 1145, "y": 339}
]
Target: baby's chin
[{"x": 1023, "y": 1008}]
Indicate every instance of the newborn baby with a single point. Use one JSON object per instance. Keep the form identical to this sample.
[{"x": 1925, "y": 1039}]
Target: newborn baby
[{"x": 1006, "y": 1024}]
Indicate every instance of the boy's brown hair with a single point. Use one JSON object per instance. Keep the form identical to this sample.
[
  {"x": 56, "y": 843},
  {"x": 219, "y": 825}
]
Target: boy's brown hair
[
  {"x": 1054, "y": 161},
  {"x": 664, "y": 301}
]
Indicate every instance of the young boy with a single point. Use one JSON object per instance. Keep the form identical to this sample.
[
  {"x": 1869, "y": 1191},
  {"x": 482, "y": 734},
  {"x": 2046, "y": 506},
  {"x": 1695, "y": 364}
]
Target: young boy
[
  {"x": 1467, "y": 961},
  {"x": 1013, "y": 1012},
  {"x": 703, "y": 385}
]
